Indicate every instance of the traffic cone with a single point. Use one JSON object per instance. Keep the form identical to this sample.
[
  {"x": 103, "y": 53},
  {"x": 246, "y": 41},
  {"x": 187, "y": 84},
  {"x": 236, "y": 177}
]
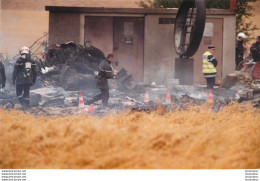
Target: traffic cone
[
  {"x": 91, "y": 109},
  {"x": 146, "y": 97},
  {"x": 210, "y": 98},
  {"x": 168, "y": 97},
  {"x": 81, "y": 101}
]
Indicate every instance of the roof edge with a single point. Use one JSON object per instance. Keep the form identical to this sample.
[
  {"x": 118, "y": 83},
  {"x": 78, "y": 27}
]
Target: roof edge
[{"x": 131, "y": 10}]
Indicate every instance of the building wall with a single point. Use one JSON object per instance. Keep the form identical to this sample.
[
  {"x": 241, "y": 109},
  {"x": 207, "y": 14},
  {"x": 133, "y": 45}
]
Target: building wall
[
  {"x": 159, "y": 53},
  {"x": 67, "y": 27},
  {"x": 21, "y": 28},
  {"x": 23, "y": 22}
]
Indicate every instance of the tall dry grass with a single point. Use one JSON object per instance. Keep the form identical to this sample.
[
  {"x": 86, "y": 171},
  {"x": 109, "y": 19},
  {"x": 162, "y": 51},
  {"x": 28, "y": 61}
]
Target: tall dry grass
[{"x": 187, "y": 139}]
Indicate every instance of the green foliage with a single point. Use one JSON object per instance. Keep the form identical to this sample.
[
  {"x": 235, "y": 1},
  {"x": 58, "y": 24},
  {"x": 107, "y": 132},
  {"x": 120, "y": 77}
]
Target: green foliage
[
  {"x": 159, "y": 3},
  {"x": 220, "y": 4},
  {"x": 243, "y": 24}
]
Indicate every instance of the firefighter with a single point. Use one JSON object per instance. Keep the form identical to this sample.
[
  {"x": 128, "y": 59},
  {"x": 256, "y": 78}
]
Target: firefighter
[
  {"x": 255, "y": 50},
  {"x": 105, "y": 72},
  {"x": 209, "y": 66},
  {"x": 240, "y": 48},
  {"x": 2, "y": 72},
  {"x": 24, "y": 76}
]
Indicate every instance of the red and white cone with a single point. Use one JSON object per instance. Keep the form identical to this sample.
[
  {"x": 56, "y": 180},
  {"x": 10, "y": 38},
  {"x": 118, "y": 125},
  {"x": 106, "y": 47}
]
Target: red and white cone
[
  {"x": 168, "y": 98},
  {"x": 81, "y": 101},
  {"x": 210, "y": 97},
  {"x": 146, "y": 97},
  {"x": 88, "y": 109}
]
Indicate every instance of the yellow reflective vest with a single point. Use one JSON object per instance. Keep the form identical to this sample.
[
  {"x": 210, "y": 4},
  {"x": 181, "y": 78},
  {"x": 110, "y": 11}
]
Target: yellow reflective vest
[{"x": 208, "y": 68}]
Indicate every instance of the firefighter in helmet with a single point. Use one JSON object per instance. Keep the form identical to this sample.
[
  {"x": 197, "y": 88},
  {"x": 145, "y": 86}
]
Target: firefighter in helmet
[
  {"x": 240, "y": 48},
  {"x": 24, "y": 76}
]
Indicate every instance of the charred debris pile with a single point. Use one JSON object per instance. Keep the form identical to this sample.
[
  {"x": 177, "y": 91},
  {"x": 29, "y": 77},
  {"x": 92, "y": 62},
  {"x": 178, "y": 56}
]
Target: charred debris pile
[
  {"x": 72, "y": 67},
  {"x": 66, "y": 70}
]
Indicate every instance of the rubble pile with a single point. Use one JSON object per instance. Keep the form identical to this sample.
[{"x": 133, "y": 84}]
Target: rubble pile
[
  {"x": 55, "y": 100},
  {"x": 68, "y": 71},
  {"x": 49, "y": 101},
  {"x": 243, "y": 86},
  {"x": 72, "y": 67}
]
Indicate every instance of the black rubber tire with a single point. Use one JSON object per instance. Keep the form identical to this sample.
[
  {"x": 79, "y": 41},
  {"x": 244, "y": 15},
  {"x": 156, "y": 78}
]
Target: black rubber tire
[{"x": 199, "y": 26}]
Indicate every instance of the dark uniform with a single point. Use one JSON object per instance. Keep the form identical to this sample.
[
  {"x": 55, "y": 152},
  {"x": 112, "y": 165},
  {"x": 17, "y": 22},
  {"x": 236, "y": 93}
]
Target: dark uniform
[
  {"x": 255, "y": 51},
  {"x": 3, "y": 77},
  {"x": 105, "y": 71},
  {"x": 24, "y": 76},
  {"x": 239, "y": 52}
]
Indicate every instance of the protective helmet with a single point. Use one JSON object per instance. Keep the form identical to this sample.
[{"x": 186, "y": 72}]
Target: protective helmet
[
  {"x": 241, "y": 35},
  {"x": 24, "y": 50}
]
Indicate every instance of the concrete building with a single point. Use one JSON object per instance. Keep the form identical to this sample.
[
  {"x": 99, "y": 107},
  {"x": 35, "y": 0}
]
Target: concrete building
[
  {"x": 143, "y": 39},
  {"x": 23, "y": 22}
]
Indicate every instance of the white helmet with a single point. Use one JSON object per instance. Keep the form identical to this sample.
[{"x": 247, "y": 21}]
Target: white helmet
[
  {"x": 241, "y": 35},
  {"x": 24, "y": 50}
]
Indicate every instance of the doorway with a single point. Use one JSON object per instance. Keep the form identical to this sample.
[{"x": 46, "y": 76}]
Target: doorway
[{"x": 123, "y": 36}]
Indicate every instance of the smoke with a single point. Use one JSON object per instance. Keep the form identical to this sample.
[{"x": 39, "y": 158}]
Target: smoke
[
  {"x": 161, "y": 71},
  {"x": 11, "y": 36},
  {"x": 10, "y": 41}
]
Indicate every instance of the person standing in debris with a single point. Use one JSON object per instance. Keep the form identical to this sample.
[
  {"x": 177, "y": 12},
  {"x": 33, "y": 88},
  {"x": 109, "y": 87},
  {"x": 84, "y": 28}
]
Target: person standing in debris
[
  {"x": 240, "y": 48},
  {"x": 105, "y": 72},
  {"x": 3, "y": 77},
  {"x": 24, "y": 76},
  {"x": 209, "y": 66},
  {"x": 255, "y": 50}
]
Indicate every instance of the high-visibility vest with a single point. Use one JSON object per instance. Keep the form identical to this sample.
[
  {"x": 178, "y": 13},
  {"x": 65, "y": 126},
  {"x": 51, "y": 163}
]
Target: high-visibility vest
[{"x": 208, "y": 67}]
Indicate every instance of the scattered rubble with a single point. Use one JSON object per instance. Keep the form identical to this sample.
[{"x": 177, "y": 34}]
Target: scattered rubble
[{"x": 69, "y": 70}]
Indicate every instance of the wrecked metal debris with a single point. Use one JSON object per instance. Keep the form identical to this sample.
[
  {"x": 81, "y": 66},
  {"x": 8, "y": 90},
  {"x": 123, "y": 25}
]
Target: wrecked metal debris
[{"x": 72, "y": 67}]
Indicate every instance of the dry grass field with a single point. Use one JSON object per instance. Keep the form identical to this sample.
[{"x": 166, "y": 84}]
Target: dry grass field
[{"x": 187, "y": 139}]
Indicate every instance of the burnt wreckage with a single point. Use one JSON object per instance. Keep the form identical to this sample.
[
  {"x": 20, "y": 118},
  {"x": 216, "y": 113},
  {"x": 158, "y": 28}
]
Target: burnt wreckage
[{"x": 72, "y": 67}]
